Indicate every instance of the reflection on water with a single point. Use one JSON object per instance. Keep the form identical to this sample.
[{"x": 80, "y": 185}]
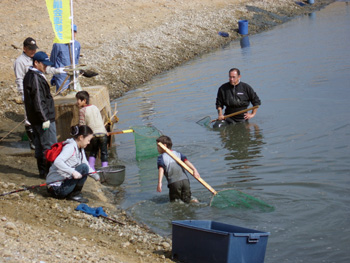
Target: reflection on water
[
  {"x": 244, "y": 143},
  {"x": 243, "y": 140},
  {"x": 244, "y": 42}
]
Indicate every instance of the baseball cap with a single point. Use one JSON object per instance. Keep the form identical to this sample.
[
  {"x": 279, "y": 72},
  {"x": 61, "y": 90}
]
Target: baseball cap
[
  {"x": 42, "y": 57},
  {"x": 75, "y": 28},
  {"x": 30, "y": 43}
]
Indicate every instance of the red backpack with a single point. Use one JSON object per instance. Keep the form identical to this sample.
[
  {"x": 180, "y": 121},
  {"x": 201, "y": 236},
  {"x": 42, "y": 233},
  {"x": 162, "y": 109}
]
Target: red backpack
[{"x": 52, "y": 153}]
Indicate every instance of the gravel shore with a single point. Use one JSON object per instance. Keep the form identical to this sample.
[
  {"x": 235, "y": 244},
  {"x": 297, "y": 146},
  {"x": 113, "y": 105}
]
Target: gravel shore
[{"x": 127, "y": 43}]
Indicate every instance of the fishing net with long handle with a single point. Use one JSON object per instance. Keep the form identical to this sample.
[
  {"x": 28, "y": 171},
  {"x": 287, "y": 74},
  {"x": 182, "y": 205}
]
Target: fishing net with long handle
[
  {"x": 237, "y": 199},
  {"x": 145, "y": 141},
  {"x": 206, "y": 121},
  {"x": 225, "y": 198}
]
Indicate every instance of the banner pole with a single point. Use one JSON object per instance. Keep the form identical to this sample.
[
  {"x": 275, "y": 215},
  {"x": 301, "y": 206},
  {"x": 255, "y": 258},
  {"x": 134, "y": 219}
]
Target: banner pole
[{"x": 72, "y": 41}]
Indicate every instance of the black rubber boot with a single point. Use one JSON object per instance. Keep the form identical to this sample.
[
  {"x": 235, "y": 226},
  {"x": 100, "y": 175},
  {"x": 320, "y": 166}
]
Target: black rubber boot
[
  {"x": 30, "y": 134},
  {"x": 42, "y": 167}
]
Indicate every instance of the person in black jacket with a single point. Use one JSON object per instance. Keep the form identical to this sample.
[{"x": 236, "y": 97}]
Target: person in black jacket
[
  {"x": 236, "y": 96},
  {"x": 40, "y": 109}
]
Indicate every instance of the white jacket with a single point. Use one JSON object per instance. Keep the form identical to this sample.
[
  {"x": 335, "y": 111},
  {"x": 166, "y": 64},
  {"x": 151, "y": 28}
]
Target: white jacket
[{"x": 70, "y": 157}]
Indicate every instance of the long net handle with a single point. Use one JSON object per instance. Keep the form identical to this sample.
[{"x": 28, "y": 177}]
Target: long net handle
[
  {"x": 185, "y": 166},
  {"x": 121, "y": 132},
  {"x": 12, "y": 130},
  {"x": 36, "y": 186},
  {"x": 238, "y": 112}
]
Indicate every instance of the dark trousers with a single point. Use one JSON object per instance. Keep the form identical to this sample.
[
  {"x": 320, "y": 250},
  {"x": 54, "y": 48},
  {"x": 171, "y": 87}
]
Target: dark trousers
[
  {"x": 43, "y": 139},
  {"x": 98, "y": 143},
  {"x": 71, "y": 186},
  {"x": 180, "y": 190}
]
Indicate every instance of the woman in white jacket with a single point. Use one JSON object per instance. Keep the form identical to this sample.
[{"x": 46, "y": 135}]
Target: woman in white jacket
[{"x": 69, "y": 171}]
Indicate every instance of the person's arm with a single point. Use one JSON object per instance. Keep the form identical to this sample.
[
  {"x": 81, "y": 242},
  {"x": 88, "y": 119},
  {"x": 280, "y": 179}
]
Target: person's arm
[
  {"x": 220, "y": 115},
  {"x": 77, "y": 55},
  {"x": 220, "y": 104},
  {"x": 254, "y": 99},
  {"x": 20, "y": 71},
  {"x": 160, "y": 178},
  {"x": 248, "y": 115},
  {"x": 195, "y": 172},
  {"x": 54, "y": 71},
  {"x": 82, "y": 113},
  {"x": 39, "y": 98},
  {"x": 61, "y": 161}
]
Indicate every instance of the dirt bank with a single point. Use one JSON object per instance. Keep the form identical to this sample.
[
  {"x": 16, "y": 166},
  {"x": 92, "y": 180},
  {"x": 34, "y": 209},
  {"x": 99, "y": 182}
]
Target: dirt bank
[{"x": 127, "y": 42}]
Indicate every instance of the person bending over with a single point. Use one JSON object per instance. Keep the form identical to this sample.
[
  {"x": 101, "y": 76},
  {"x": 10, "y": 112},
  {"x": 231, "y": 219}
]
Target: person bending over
[{"x": 178, "y": 182}]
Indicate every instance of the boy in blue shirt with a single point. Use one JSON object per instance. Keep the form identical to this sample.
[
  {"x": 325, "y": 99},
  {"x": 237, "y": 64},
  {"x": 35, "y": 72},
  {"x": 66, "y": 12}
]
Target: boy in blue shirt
[{"x": 178, "y": 182}]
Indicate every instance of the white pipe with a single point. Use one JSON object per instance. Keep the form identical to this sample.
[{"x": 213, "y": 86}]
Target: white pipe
[{"x": 72, "y": 41}]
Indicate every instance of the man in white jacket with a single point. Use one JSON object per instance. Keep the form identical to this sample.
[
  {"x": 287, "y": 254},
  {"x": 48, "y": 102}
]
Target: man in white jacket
[{"x": 21, "y": 66}]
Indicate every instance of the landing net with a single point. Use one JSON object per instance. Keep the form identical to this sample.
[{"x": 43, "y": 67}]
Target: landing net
[
  {"x": 145, "y": 141},
  {"x": 237, "y": 199}
]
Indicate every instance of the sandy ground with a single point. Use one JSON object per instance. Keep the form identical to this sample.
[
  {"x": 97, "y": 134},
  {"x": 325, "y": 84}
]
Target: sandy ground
[{"x": 126, "y": 42}]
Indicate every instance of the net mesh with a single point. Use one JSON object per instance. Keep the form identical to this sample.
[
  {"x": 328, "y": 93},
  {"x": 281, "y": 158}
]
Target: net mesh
[
  {"x": 113, "y": 175},
  {"x": 145, "y": 141},
  {"x": 205, "y": 121},
  {"x": 238, "y": 199}
]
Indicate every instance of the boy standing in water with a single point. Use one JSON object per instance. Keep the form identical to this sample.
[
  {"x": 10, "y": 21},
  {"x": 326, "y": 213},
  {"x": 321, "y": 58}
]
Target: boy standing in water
[
  {"x": 178, "y": 182},
  {"x": 90, "y": 115}
]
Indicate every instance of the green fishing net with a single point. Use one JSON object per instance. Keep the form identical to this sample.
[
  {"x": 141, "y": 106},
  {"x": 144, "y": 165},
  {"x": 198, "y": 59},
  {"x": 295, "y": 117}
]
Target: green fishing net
[
  {"x": 205, "y": 121},
  {"x": 237, "y": 199},
  {"x": 145, "y": 141}
]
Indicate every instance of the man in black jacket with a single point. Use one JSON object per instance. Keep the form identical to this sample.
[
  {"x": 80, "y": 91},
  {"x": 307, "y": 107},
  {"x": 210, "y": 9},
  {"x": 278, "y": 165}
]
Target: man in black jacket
[
  {"x": 236, "y": 96},
  {"x": 40, "y": 109}
]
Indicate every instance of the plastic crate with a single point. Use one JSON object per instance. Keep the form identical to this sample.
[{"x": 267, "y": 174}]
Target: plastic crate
[{"x": 210, "y": 241}]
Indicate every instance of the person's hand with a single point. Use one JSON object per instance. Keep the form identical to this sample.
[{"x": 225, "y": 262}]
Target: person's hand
[
  {"x": 96, "y": 176},
  {"x": 221, "y": 117},
  {"x": 248, "y": 116},
  {"x": 46, "y": 125},
  {"x": 53, "y": 81},
  {"x": 61, "y": 70},
  {"x": 196, "y": 174},
  {"x": 159, "y": 187},
  {"x": 69, "y": 72},
  {"x": 76, "y": 175}
]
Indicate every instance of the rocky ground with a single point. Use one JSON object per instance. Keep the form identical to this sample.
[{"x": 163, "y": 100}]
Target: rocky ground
[{"x": 126, "y": 42}]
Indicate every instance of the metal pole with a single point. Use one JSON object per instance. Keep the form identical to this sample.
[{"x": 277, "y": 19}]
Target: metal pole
[{"x": 72, "y": 41}]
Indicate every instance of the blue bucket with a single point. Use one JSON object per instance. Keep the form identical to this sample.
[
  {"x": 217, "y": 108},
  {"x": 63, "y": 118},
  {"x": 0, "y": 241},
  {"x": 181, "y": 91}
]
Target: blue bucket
[
  {"x": 243, "y": 27},
  {"x": 311, "y": 2}
]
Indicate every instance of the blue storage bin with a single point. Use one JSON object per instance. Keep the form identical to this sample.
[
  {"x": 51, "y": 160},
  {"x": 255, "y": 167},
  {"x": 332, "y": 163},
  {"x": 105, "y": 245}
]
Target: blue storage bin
[
  {"x": 209, "y": 241},
  {"x": 243, "y": 27}
]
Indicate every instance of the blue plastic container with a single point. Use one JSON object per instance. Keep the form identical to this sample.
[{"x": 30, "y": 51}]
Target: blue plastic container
[
  {"x": 243, "y": 27},
  {"x": 209, "y": 241}
]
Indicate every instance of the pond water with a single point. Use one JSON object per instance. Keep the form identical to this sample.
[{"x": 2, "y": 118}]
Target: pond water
[{"x": 294, "y": 155}]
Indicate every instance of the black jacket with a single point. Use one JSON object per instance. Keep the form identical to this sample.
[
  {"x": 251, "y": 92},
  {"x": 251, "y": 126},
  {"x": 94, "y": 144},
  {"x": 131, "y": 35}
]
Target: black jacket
[
  {"x": 236, "y": 98},
  {"x": 38, "y": 101}
]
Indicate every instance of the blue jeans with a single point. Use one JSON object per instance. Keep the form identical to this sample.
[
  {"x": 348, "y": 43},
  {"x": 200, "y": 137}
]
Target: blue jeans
[{"x": 69, "y": 186}]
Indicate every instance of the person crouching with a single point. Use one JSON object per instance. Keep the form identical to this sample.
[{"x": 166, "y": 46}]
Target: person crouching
[{"x": 69, "y": 171}]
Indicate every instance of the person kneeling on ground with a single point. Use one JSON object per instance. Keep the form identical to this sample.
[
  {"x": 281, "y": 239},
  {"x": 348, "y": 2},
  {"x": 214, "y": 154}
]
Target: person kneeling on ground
[
  {"x": 69, "y": 171},
  {"x": 178, "y": 182}
]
